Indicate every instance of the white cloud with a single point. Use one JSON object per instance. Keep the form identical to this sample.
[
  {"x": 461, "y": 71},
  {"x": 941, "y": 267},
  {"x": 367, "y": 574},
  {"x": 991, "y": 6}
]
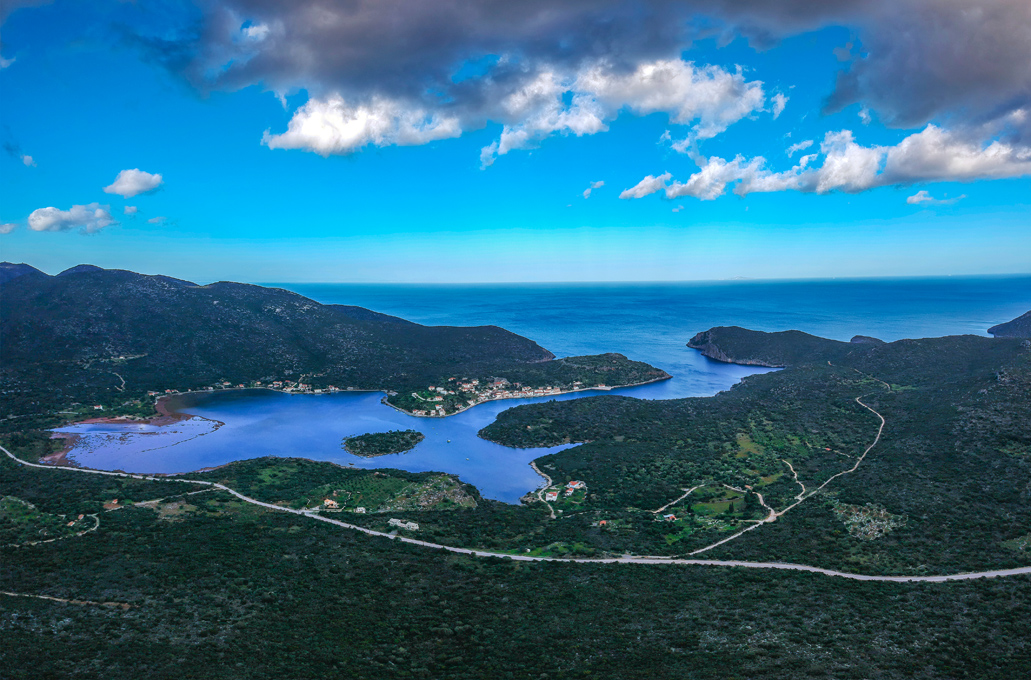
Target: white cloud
[
  {"x": 594, "y": 185},
  {"x": 708, "y": 96},
  {"x": 256, "y": 32},
  {"x": 864, "y": 115},
  {"x": 709, "y": 99},
  {"x": 711, "y": 181},
  {"x": 89, "y": 218},
  {"x": 847, "y": 165},
  {"x": 4, "y": 63},
  {"x": 923, "y": 196},
  {"x": 648, "y": 185},
  {"x": 779, "y": 102},
  {"x": 133, "y": 182},
  {"x": 157, "y": 220},
  {"x": 532, "y": 106},
  {"x": 28, "y": 161},
  {"x": 131, "y": 210},
  {"x": 932, "y": 154},
  {"x": 801, "y": 146},
  {"x": 536, "y": 110},
  {"x": 332, "y": 126},
  {"x": 7, "y": 227},
  {"x": 936, "y": 154}
]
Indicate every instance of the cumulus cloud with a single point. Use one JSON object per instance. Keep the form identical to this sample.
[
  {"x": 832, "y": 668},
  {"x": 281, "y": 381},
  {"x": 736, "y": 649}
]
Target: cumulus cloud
[
  {"x": 7, "y": 227},
  {"x": 707, "y": 98},
  {"x": 648, "y": 185},
  {"x": 157, "y": 220},
  {"x": 779, "y": 102},
  {"x": 28, "y": 161},
  {"x": 711, "y": 181},
  {"x": 594, "y": 185},
  {"x": 570, "y": 67},
  {"x": 924, "y": 196},
  {"x": 134, "y": 182},
  {"x": 131, "y": 210},
  {"x": 332, "y": 126},
  {"x": 89, "y": 218},
  {"x": 842, "y": 164},
  {"x": 801, "y": 146}
]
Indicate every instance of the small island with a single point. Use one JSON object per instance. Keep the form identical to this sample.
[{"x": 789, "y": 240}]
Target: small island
[{"x": 375, "y": 444}]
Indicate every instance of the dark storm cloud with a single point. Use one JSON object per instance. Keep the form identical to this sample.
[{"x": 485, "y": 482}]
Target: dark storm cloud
[
  {"x": 408, "y": 48},
  {"x": 965, "y": 61}
]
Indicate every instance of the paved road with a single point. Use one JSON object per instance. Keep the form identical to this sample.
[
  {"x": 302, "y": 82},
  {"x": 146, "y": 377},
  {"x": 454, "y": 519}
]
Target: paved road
[{"x": 624, "y": 559}]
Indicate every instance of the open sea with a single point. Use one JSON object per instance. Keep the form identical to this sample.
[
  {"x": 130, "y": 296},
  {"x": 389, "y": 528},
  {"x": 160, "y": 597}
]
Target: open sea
[{"x": 647, "y": 322}]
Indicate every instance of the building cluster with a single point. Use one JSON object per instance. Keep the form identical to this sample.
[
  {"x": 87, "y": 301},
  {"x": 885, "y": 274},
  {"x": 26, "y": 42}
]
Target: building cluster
[
  {"x": 570, "y": 488},
  {"x": 473, "y": 392},
  {"x": 291, "y": 386},
  {"x": 401, "y": 524}
]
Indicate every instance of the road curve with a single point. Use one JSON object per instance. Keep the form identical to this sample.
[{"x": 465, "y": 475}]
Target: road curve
[{"x": 623, "y": 559}]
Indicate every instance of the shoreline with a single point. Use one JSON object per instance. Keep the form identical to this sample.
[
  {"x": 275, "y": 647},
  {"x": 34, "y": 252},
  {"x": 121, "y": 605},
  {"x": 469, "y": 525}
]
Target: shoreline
[
  {"x": 606, "y": 388},
  {"x": 167, "y": 416}
]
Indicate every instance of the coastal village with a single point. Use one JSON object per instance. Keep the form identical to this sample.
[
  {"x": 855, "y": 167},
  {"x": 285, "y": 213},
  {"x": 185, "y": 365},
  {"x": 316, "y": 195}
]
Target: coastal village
[
  {"x": 459, "y": 394},
  {"x": 455, "y": 396}
]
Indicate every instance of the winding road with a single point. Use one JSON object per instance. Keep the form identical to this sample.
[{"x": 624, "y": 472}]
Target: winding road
[{"x": 622, "y": 559}]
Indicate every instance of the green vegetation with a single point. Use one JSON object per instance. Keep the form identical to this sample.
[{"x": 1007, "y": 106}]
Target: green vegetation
[
  {"x": 944, "y": 490},
  {"x": 220, "y": 588},
  {"x": 21, "y": 522},
  {"x": 94, "y": 337},
  {"x": 299, "y": 483},
  {"x": 230, "y": 591},
  {"x": 383, "y": 443}
]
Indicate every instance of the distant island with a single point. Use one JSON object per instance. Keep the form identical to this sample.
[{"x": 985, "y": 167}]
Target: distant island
[
  {"x": 374, "y": 444},
  {"x": 92, "y": 341},
  {"x": 1018, "y": 328}
]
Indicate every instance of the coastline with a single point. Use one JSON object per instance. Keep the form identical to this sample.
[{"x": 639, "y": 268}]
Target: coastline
[{"x": 606, "y": 388}]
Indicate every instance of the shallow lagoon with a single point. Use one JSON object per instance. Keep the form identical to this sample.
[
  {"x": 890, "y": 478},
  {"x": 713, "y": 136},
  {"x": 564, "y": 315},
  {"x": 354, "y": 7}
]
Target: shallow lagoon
[
  {"x": 648, "y": 322},
  {"x": 241, "y": 424}
]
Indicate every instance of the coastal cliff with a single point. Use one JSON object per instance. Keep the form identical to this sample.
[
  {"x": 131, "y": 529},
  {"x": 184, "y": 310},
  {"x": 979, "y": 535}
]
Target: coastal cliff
[
  {"x": 735, "y": 345},
  {"x": 1018, "y": 328}
]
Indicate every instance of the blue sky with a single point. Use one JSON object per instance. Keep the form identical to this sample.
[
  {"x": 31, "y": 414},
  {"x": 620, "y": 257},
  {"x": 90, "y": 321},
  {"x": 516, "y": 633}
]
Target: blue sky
[{"x": 94, "y": 89}]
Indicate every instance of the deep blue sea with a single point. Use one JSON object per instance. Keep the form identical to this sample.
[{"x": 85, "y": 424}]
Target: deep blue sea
[{"x": 649, "y": 322}]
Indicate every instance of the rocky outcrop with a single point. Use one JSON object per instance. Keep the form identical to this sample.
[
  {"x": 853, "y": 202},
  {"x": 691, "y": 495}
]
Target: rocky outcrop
[
  {"x": 866, "y": 340},
  {"x": 704, "y": 343},
  {"x": 1018, "y": 328},
  {"x": 732, "y": 344}
]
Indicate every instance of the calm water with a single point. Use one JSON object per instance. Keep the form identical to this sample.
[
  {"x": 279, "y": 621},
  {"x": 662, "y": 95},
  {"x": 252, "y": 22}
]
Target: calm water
[{"x": 649, "y": 322}]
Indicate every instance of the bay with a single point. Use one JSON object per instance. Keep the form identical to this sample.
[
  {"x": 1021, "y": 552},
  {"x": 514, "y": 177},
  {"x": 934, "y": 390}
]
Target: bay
[{"x": 647, "y": 322}]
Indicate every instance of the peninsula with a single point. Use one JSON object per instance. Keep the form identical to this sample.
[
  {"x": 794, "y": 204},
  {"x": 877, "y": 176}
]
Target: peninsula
[{"x": 95, "y": 342}]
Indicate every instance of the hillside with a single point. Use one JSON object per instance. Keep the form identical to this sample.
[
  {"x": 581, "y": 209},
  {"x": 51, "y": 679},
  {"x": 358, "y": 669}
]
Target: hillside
[
  {"x": 1018, "y": 328},
  {"x": 190, "y": 583},
  {"x": 736, "y": 345},
  {"x": 946, "y": 487},
  {"x": 77, "y": 336}
]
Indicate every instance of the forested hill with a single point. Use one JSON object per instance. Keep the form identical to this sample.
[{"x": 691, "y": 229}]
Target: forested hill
[
  {"x": 736, "y": 345},
  {"x": 77, "y": 335},
  {"x": 1018, "y": 328}
]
